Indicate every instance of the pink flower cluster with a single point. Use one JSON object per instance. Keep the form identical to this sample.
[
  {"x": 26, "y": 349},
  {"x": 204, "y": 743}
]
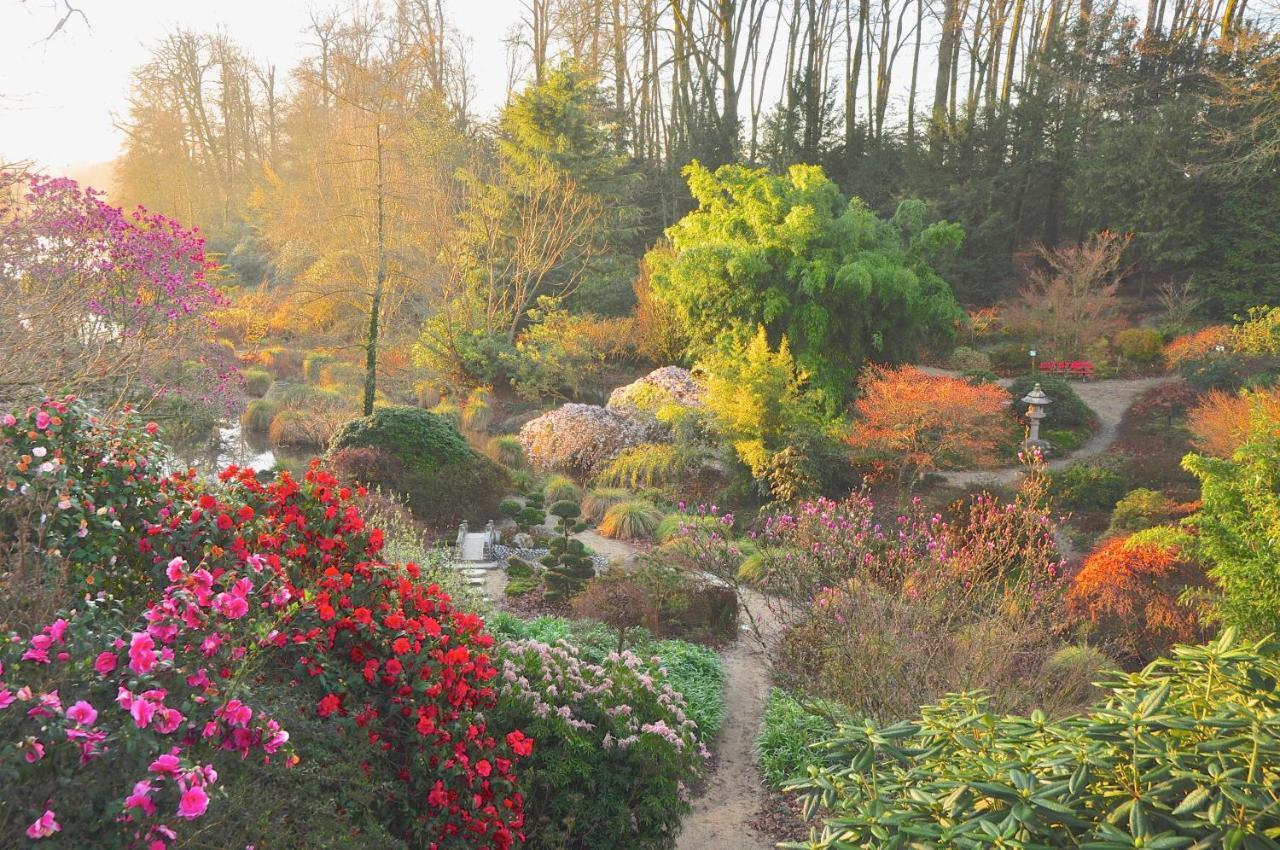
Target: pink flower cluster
[{"x": 182, "y": 656}]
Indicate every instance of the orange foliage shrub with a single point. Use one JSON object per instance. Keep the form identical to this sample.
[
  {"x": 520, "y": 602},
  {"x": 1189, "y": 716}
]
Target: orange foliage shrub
[
  {"x": 1127, "y": 591},
  {"x": 1220, "y": 422},
  {"x": 1193, "y": 346},
  {"x": 917, "y": 421}
]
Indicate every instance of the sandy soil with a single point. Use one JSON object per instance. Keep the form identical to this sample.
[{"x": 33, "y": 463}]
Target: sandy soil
[{"x": 732, "y": 796}]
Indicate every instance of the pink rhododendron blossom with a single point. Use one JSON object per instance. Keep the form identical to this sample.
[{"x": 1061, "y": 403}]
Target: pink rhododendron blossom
[
  {"x": 175, "y": 568},
  {"x": 34, "y": 751},
  {"x": 105, "y": 663}
]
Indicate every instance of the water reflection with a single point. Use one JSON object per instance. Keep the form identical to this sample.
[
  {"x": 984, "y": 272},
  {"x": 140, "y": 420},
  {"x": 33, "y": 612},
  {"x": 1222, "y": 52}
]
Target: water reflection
[{"x": 230, "y": 445}]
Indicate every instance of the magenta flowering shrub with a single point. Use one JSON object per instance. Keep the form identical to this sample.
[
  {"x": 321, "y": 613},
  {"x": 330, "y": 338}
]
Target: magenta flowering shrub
[
  {"x": 117, "y": 730},
  {"x": 617, "y": 750},
  {"x": 113, "y": 304},
  {"x": 880, "y": 610}
]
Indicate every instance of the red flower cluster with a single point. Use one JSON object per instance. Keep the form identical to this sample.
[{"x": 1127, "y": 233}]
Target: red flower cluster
[{"x": 385, "y": 652}]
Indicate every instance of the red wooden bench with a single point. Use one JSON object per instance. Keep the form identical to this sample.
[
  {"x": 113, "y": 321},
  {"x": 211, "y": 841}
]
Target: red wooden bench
[{"x": 1068, "y": 368}]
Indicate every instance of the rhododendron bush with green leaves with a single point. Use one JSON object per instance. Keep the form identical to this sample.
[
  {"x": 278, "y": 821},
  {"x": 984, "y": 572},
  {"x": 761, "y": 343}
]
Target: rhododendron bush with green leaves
[{"x": 121, "y": 714}]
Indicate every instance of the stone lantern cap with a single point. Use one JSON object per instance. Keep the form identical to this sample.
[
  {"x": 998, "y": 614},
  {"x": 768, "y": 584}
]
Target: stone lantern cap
[{"x": 1037, "y": 397}]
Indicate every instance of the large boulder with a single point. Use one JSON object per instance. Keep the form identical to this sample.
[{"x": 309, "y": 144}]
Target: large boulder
[
  {"x": 422, "y": 457},
  {"x": 577, "y": 439}
]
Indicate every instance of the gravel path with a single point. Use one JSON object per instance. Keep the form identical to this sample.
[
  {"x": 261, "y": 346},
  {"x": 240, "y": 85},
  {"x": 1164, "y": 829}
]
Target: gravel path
[
  {"x": 732, "y": 795},
  {"x": 1108, "y": 398}
]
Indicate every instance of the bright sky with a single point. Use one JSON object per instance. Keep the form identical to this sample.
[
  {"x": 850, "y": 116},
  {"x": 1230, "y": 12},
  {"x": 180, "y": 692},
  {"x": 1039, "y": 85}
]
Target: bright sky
[{"x": 58, "y": 99}]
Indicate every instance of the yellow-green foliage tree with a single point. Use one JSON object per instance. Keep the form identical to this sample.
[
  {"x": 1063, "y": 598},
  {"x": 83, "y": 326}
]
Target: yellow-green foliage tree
[
  {"x": 758, "y": 401},
  {"x": 790, "y": 254}
]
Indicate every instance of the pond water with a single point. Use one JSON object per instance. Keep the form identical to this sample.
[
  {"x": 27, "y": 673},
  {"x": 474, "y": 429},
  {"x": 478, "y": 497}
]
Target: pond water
[{"x": 230, "y": 445}]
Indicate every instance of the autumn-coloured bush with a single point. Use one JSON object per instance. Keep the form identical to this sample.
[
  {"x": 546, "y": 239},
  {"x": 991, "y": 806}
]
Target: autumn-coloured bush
[
  {"x": 1127, "y": 595},
  {"x": 1071, "y": 298},
  {"x": 1220, "y": 422},
  {"x": 281, "y": 362},
  {"x": 915, "y": 421},
  {"x": 578, "y": 439},
  {"x": 1194, "y": 346}
]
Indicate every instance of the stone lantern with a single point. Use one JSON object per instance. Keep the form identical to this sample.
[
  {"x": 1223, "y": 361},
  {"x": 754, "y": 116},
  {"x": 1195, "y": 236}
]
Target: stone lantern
[{"x": 1035, "y": 401}]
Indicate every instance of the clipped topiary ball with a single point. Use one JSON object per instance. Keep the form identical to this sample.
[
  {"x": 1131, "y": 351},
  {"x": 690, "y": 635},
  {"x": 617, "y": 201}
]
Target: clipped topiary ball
[{"x": 443, "y": 479}]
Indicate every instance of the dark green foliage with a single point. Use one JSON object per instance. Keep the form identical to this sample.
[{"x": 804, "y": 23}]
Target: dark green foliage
[
  {"x": 1180, "y": 755},
  {"x": 1086, "y": 487},
  {"x": 1068, "y": 410},
  {"x": 568, "y": 563},
  {"x": 443, "y": 479},
  {"x": 518, "y": 567},
  {"x": 788, "y": 733},
  {"x": 511, "y": 508}
]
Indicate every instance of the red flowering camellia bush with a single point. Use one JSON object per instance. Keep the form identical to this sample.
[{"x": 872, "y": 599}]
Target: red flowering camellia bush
[{"x": 121, "y": 727}]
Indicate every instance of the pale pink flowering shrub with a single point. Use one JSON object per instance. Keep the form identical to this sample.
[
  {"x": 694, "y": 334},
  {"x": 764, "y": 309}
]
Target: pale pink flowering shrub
[
  {"x": 619, "y": 719},
  {"x": 578, "y": 439}
]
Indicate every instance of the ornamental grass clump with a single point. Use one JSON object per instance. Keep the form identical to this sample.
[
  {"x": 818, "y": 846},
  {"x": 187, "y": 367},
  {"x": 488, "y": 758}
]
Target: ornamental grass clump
[
  {"x": 1180, "y": 755},
  {"x": 635, "y": 519},
  {"x": 598, "y": 501},
  {"x": 559, "y": 488}
]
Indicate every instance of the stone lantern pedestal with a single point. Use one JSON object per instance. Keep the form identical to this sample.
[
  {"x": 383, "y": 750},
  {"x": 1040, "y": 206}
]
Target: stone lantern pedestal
[{"x": 1036, "y": 401}]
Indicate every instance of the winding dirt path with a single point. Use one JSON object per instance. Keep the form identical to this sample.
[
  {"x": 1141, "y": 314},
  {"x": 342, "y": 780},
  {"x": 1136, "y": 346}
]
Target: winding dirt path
[
  {"x": 732, "y": 795},
  {"x": 1108, "y": 398}
]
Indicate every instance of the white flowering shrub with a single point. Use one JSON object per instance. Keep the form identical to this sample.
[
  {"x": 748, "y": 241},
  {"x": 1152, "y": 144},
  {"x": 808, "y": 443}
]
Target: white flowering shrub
[
  {"x": 577, "y": 439},
  {"x": 643, "y": 398},
  {"x": 616, "y": 749}
]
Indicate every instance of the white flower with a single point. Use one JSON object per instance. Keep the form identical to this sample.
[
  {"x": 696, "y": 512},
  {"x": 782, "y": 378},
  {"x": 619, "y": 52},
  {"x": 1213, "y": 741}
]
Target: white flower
[{"x": 39, "y": 451}]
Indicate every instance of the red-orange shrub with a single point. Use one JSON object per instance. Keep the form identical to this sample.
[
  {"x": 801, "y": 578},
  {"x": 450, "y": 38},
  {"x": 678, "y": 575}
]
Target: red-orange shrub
[
  {"x": 1127, "y": 592},
  {"x": 1193, "y": 346},
  {"x": 1220, "y": 422},
  {"x": 918, "y": 421}
]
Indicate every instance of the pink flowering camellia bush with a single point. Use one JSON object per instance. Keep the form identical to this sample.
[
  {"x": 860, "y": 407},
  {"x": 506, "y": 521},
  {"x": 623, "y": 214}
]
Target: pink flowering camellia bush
[{"x": 250, "y": 611}]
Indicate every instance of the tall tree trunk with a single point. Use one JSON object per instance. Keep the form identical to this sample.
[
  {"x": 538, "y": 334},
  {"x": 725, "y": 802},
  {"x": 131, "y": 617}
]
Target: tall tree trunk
[{"x": 379, "y": 286}]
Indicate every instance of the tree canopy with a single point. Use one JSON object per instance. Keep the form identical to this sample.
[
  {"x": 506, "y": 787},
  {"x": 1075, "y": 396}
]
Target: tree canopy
[{"x": 791, "y": 254}]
